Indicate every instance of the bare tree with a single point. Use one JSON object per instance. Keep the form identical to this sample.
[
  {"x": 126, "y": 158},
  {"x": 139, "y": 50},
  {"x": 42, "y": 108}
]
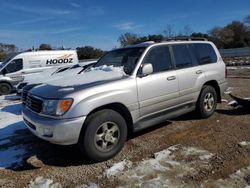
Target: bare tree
[
  {"x": 7, "y": 48},
  {"x": 127, "y": 39},
  {"x": 187, "y": 31},
  {"x": 169, "y": 31}
]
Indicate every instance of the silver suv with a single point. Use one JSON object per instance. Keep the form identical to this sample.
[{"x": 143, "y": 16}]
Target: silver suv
[{"x": 127, "y": 90}]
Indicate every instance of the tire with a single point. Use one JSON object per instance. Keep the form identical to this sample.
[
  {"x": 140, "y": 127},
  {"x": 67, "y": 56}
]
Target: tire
[
  {"x": 103, "y": 135},
  {"x": 207, "y": 102},
  {"x": 5, "y": 88}
]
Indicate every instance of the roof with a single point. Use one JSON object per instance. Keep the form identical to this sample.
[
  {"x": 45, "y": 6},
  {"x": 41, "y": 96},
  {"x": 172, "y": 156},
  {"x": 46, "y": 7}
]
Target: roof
[{"x": 42, "y": 52}]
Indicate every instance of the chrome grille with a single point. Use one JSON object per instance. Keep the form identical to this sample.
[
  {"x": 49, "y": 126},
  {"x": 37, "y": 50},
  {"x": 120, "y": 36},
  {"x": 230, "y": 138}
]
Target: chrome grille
[
  {"x": 34, "y": 103},
  {"x": 24, "y": 96}
]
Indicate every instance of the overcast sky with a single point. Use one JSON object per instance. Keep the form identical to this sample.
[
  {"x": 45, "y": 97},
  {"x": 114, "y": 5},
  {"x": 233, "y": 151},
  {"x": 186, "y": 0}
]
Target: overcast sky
[{"x": 73, "y": 23}]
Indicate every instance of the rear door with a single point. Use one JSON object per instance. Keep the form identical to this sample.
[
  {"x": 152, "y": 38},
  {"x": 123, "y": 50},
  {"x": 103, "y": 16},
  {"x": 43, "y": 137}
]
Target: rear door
[
  {"x": 158, "y": 91},
  {"x": 189, "y": 72},
  {"x": 213, "y": 67}
]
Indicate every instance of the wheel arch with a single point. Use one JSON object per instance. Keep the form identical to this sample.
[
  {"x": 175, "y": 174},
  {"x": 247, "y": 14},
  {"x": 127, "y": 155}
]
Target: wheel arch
[
  {"x": 215, "y": 85},
  {"x": 121, "y": 109},
  {"x": 6, "y": 82}
]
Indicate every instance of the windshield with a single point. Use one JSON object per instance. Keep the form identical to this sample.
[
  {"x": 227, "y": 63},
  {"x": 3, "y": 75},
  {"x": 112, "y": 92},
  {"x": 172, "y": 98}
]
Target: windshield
[
  {"x": 126, "y": 58},
  {"x": 7, "y": 59}
]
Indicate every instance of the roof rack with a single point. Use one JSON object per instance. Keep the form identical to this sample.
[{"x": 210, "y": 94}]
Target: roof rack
[
  {"x": 147, "y": 42},
  {"x": 187, "y": 39}
]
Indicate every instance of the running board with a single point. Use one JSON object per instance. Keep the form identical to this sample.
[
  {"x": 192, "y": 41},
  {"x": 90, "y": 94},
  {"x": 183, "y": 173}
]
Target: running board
[{"x": 162, "y": 116}]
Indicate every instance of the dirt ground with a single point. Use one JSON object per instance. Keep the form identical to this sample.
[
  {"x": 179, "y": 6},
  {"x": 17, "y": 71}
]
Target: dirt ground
[{"x": 219, "y": 134}]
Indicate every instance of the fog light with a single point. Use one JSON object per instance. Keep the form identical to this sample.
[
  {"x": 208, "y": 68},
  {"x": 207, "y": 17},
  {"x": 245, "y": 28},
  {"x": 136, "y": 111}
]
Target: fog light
[{"x": 45, "y": 132}]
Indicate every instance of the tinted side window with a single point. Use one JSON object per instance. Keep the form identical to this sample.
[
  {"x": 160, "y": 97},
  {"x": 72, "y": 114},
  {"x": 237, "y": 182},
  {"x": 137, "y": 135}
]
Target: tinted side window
[
  {"x": 14, "y": 65},
  {"x": 160, "y": 58},
  {"x": 182, "y": 56},
  {"x": 205, "y": 53}
]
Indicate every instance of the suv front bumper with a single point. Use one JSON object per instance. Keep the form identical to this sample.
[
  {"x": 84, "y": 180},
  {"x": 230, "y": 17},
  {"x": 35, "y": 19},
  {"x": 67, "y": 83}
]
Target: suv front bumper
[{"x": 57, "y": 131}]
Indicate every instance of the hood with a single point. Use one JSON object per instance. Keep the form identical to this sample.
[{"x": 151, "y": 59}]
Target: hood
[
  {"x": 66, "y": 85},
  {"x": 91, "y": 75}
]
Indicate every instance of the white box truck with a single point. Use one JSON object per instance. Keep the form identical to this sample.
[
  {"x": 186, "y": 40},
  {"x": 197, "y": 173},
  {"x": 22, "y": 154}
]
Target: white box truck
[{"x": 19, "y": 66}]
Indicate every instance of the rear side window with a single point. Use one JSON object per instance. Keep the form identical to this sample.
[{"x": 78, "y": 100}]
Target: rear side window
[
  {"x": 182, "y": 56},
  {"x": 160, "y": 58},
  {"x": 205, "y": 53},
  {"x": 14, "y": 66}
]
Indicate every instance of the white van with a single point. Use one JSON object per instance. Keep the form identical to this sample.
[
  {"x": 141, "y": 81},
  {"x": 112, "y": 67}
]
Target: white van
[{"x": 26, "y": 64}]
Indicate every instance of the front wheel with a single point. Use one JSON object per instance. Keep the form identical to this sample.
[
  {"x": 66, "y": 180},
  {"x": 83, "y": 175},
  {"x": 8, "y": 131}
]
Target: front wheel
[
  {"x": 207, "y": 102},
  {"x": 5, "y": 88},
  {"x": 103, "y": 136}
]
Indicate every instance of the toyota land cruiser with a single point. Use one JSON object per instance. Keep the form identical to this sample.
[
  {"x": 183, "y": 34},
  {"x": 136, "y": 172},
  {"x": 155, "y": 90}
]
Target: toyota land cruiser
[{"x": 128, "y": 89}]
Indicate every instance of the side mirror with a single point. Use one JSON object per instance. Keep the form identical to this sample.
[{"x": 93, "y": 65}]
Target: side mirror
[{"x": 147, "y": 69}]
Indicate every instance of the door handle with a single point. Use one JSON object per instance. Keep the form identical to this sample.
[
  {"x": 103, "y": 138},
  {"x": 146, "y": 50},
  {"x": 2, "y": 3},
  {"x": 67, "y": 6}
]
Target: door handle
[
  {"x": 199, "y": 72},
  {"x": 171, "y": 78}
]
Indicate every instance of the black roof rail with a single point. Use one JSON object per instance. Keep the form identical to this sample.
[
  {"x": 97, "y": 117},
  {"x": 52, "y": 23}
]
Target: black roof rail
[{"x": 187, "y": 39}]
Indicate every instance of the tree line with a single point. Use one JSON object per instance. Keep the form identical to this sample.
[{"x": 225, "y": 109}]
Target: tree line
[
  {"x": 234, "y": 35},
  {"x": 85, "y": 52}
]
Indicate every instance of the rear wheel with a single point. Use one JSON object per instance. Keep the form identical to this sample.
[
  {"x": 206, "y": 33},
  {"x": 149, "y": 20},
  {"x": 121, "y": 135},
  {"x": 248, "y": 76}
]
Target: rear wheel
[
  {"x": 207, "y": 102},
  {"x": 5, "y": 88},
  {"x": 103, "y": 136}
]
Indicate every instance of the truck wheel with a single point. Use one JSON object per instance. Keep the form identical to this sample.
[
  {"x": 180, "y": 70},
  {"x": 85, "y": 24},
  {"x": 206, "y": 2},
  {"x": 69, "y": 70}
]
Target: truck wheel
[
  {"x": 207, "y": 102},
  {"x": 103, "y": 136},
  {"x": 5, "y": 88}
]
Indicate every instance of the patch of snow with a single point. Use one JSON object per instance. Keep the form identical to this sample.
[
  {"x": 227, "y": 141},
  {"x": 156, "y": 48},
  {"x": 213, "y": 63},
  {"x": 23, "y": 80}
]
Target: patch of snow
[
  {"x": 244, "y": 143},
  {"x": 232, "y": 103},
  {"x": 93, "y": 74},
  {"x": 224, "y": 100},
  {"x": 117, "y": 168},
  {"x": 168, "y": 168},
  {"x": 91, "y": 185},
  {"x": 232, "y": 68},
  {"x": 152, "y": 165},
  {"x": 11, "y": 153},
  {"x": 9, "y": 100},
  {"x": 206, "y": 156},
  {"x": 41, "y": 182},
  {"x": 48, "y": 76},
  {"x": 7, "y": 119},
  {"x": 203, "y": 154},
  {"x": 152, "y": 184},
  {"x": 237, "y": 180},
  {"x": 229, "y": 90}
]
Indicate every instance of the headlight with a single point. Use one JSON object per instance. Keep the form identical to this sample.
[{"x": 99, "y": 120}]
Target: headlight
[{"x": 56, "y": 107}]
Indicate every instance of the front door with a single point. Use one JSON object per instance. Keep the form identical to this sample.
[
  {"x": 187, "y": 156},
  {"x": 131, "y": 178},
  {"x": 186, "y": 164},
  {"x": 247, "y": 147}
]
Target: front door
[
  {"x": 159, "y": 90},
  {"x": 13, "y": 70}
]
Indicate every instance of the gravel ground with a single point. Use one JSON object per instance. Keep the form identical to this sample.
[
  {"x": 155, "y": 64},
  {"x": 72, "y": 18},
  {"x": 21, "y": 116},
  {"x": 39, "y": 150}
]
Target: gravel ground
[{"x": 224, "y": 138}]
